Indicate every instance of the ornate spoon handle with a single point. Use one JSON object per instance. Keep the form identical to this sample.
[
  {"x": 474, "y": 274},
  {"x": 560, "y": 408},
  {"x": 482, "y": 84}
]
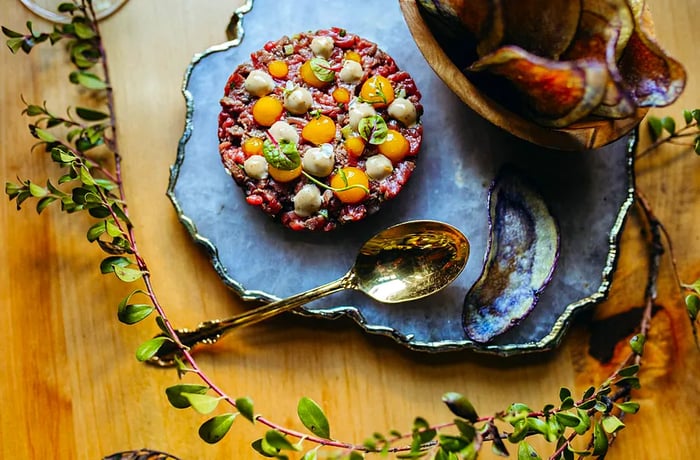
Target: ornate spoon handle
[{"x": 210, "y": 332}]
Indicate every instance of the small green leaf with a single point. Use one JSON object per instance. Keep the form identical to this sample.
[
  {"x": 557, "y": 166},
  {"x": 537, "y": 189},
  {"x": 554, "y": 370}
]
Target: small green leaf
[
  {"x": 564, "y": 393},
  {"x": 373, "y": 129},
  {"x": 11, "y": 33},
  {"x": 466, "y": 429},
  {"x": 527, "y": 452},
  {"x": 109, "y": 263},
  {"x": 202, "y": 403},
  {"x": 214, "y": 429},
  {"x": 612, "y": 424},
  {"x": 520, "y": 431},
  {"x": 95, "y": 231},
  {"x": 589, "y": 392},
  {"x": 696, "y": 115},
  {"x": 637, "y": 343},
  {"x": 629, "y": 370},
  {"x": 88, "y": 80},
  {"x": 355, "y": 455},
  {"x": 600, "y": 440},
  {"x": 450, "y": 443},
  {"x": 669, "y": 124},
  {"x": 313, "y": 418},
  {"x": 44, "y": 135},
  {"x": 655, "y": 127},
  {"x": 310, "y": 455},
  {"x": 245, "y": 407},
  {"x": 83, "y": 30},
  {"x": 567, "y": 419},
  {"x": 37, "y": 191},
  {"x": 322, "y": 69},
  {"x": 148, "y": 349},
  {"x": 85, "y": 176},
  {"x": 15, "y": 44},
  {"x": 279, "y": 441},
  {"x": 44, "y": 202},
  {"x": 90, "y": 115},
  {"x": 687, "y": 116},
  {"x": 281, "y": 155},
  {"x": 460, "y": 406},
  {"x": 584, "y": 422},
  {"x": 133, "y": 313},
  {"x": 127, "y": 274},
  {"x": 628, "y": 407},
  {"x": 538, "y": 425},
  {"x": 692, "y": 304},
  {"x": 174, "y": 394}
]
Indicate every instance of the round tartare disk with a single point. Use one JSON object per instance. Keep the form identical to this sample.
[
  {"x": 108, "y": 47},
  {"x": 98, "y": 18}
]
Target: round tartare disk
[{"x": 319, "y": 129}]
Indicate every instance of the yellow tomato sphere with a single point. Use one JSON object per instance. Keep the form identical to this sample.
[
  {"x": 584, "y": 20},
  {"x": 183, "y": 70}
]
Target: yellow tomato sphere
[
  {"x": 351, "y": 177},
  {"x": 253, "y": 146},
  {"x": 355, "y": 146},
  {"x": 267, "y": 110},
  {"x": 309, "y": 77},
  {"x": 320, "y": 130},
  {"x": 395, "y": 147},
  {"x": 278, "y": 69},
  {"x": 378, "y": 91},
  {"x": 283, "y": 175},
  {"x": 353, "y": 56},
  {"x": 341, "y": 95}
]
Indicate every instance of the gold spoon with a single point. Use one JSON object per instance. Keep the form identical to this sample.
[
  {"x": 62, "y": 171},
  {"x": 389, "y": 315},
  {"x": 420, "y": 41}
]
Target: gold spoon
[{"x": 404, "y": 262}]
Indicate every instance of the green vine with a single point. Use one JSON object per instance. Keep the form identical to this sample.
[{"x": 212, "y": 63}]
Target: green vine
[{"x": 89, "y": 183}]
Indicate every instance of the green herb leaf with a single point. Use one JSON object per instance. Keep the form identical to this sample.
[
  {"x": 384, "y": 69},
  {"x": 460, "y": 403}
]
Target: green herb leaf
[
  {"x": 214, "y": 429},
  {"x": 44, "y": 202},
  {"x": 313, "y": 418},
  {"x": 655, "y": 127},
  {"x": 687, "y": 116},
  {"x": 133, "y": 313},
  {"x": 692, "y": 304},
  {"x": 637, "y": 343},
  {"x": 107, "y": 265},
  {"x": 450, "y": 443},
  {"x": 612, "y": 424},
  {"x": 373, "y": 129},
  {"x": 282, "y": 155},
  {"x": 527, "y": 452},
  {"x": 174, "y": 394},
  {"x": 202, "y": 403},
  {"x": 43, "y": 135},
  {"x": 83, "y": 30},
  {"x": 567, "y": 419},
  {"x": 355, "y": 455},
  {"x": 148, "y": 349},
  {"x": 90, "y": 115},
  {"x": 127, "y": 274},
  {"x": 460, "y": 406},
  {"x": 322, "y": 69},
  {"x": 600, "y": 440},
  {"x": 564, "y": 393},
  {"x": 245, "y": 407},
  {"x": 669, "y": 124},
  {"x": 279, "y": 441},
  {"x": 629, "y": 370},
  {"x": 310, "y": 455},
  {"x": 87, "y": 79},
  {"x": 628, "y": 407},
  {"x": 11, "y": 33},
  {"x": 15, "y": 44},
  {"x": 585, "y": 422}
]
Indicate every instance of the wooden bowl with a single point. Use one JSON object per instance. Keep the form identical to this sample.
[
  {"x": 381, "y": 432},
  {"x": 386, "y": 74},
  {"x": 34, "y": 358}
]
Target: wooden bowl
[{"x": 582, "y": 135}]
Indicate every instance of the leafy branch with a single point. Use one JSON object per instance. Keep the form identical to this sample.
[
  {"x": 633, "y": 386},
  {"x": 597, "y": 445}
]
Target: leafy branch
[{"x": 90, "y": 183}]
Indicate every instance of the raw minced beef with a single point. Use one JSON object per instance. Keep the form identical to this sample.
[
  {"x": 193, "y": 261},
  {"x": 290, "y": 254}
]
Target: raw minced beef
[{"x": 319, "y": 129}]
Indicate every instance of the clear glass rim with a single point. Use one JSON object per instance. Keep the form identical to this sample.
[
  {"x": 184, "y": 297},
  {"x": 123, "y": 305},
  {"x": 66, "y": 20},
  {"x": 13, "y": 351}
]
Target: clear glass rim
[{"x": 55, "y": 16}]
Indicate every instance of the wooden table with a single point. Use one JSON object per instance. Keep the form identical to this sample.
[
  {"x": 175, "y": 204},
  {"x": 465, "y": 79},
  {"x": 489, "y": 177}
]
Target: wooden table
[{"x": 71, "y": 388}]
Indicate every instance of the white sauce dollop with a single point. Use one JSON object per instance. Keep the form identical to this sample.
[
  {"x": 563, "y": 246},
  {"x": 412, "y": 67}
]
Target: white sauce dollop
[
  {"x": 319, "y": 161},
  {"x": 403, "y": 110},
  {"x": 351, "y": 72},
  {"x": 358, "y": 111},
  {"x": 378, "y": 167},
  {"x": 307, "y": 201},
  {"x": 298, "y": 101},
  {"x": 259, "y": 83},
  {"x": 255, "y": 167},
  {"x": 283, "y": 131},
  {"x": 322, "y": 46}
]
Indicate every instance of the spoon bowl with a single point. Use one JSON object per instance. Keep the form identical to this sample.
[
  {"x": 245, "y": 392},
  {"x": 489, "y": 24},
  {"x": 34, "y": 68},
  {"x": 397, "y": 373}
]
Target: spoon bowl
[{"x": 404, "y": 262}]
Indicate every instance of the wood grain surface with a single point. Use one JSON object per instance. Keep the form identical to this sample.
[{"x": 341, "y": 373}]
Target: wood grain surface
[{"x": 70, "y": 387}]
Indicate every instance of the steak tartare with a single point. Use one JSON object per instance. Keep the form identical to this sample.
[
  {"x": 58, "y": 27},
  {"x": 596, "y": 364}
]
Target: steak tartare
[{"x": 319, "y": 129}]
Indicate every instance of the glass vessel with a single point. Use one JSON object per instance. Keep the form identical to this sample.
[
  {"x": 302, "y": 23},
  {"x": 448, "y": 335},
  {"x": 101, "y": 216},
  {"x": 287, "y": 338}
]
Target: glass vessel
[{"x": 48, "y": 9}]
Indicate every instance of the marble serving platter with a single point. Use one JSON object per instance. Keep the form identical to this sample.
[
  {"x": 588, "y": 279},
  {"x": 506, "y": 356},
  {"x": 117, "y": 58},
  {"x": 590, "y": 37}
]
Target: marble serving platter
[{"x": 589, "y": 193}]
